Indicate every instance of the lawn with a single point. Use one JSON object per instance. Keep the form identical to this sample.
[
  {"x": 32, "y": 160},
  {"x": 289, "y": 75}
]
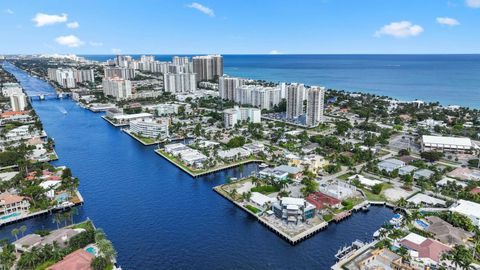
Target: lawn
[
  {"x": 265, "y": 189},
  {"x": 252, "y": 208},
  {"x": 374, "y": 197}
]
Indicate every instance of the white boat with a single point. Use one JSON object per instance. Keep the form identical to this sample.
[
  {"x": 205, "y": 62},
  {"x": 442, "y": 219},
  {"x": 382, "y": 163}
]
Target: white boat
[{"x": 263, "y": 165}]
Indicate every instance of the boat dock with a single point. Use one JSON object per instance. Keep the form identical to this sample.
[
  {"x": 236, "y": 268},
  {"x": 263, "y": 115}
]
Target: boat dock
[
  {"x": 112, "y": 123},
  {"x": 293, "y": 240}
]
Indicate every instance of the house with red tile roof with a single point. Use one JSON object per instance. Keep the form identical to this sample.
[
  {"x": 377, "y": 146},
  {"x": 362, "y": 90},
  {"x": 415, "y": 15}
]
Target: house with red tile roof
[
  {"x": 427, "y": 250},
  {"x": 77, "y": 260},
  {"x": 321, "y": 200},
  {"x": 10, "y": 203}
]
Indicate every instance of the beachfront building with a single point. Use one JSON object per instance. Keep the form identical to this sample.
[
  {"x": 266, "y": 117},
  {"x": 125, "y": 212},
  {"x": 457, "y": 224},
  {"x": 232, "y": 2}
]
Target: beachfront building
[
  {"x": 258, "y": 96},
  {"x": 227, "y": 86},
  {"x": 18, "y": 102},
  {"x": 469, "y": 209},
  {"x": 315, "y": 104},
  {"x": 293, "y": 210},
  {"x": 179, "y": 82},
  {"x": 207, "y": 67},
  {"x": 11, "y": 204},
  {"x": 117, "y": 88},
  {"x": 151, "y": 128},
  {"x": 119, "y": 72},
  {"x": 441, "y": 143},
  {"x": 295, "y": 96},
  {"x": 237, "y": 114}
]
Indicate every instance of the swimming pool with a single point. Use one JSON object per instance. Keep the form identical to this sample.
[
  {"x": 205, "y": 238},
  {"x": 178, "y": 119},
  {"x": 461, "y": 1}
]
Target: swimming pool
[
  {"x": 91, "y": 250},
  {"x": 10, "y": 216},
  {"x": 421, "y": 223}
]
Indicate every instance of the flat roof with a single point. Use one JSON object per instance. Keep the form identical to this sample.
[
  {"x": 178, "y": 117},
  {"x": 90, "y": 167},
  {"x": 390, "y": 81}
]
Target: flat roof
[
  {"x": 467, "y": 208},
  {"x": 459, "y": 141}
]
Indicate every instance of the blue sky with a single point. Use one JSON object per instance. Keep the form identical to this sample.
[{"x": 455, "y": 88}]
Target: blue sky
[{"x": 239, "y": 26}]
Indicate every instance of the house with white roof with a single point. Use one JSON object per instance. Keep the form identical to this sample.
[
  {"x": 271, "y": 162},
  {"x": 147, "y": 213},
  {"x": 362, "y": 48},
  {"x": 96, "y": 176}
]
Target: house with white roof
[
  {"x": 364, "y": 181},
  {"x": 407, "y": 170},
  {"x": 261, "y": 200},
  {"x": 423, "y": 199},
  {"x": 391, "y": 164},
  {"x": 469, "y": 209}
]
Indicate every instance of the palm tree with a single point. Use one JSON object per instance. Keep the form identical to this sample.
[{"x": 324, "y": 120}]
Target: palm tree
[
  {"x": 15, "y": 233},
  {"x": 99, "y": 235},
  {"x": 23, "y": 228},
  {"x": 460, "y": 257},
  {"x": 58, "y": 218},
  {"x": 106, "y": 248}
]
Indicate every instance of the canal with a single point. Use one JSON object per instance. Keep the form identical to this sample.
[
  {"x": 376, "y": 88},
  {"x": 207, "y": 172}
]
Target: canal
[{"x": 157, "y": 216}]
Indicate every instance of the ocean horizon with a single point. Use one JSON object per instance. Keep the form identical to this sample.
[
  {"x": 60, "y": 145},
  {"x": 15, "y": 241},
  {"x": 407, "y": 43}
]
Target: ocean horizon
[{"x": 451, "y": 79}]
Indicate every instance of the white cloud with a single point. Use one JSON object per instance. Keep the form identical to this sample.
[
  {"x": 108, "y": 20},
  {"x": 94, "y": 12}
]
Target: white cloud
[
  {"x": 447, "y": 21},
  {"x": 9, "y": 11},
  {"x": 400, "y": 29},
  {"x": 206, "y": 10},
  {"x": 42, "y": 19},
  {"x": 70, "y": 41},
  {"x": 275, "y": 52},
  {"x": 116, "y": 51},
  {"x": 73, "y": 25},
  {"x": 473, "y": 3},
  {"x": 95, "y": 44}
]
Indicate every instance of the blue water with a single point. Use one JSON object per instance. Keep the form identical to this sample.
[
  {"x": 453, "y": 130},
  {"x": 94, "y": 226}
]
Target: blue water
[
  {"x": 10, "y": 216},
  {"x": 448, "y": 79},
  {"x": 159, "y": 217}
]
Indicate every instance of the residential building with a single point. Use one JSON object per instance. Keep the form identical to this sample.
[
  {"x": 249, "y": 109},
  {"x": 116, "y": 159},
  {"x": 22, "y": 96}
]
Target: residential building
[
  {"x": 171, "y": 108},
  {"x": 237, "y": 114},
  {"x": 315, "y": 104},
  {"x": 295, "y": 97},
  {"x": 151, "y": 128},
  {"x": 63, "y": 76},
  {"x": 117, "y": 88},
  {"x": 321, "y": 200},
  {"x": 179, "y": 82},
  {"x": 421, "y": 199},
  {"x": 9, "y": 89},
  {"x": 77, "y": 260},
  {"x": 10, "y": 203},
  {"x": 189, "y": 156},
  {"x": 83, "y": 75},
  {"x": 208, "y": 67},
  {"x": 234, "y": 153},
  {"x": 261, "y": 200},
  {"x": 427, "y": 250},
  {"x": 227, "y": 86},
  {"x": 119, "y": 72},
  {"x": 258, "y": 96},
  {"x": 293, "y": 210},
  {"x": 423, "y": 174},
  {"x": 469, "y": 209},
  {"x": 18, "y": 102},
  {"x": 389, "y": 165},
  {"x": 409, "y": 169},
  {"x": 377, "y": 259},
  {"x": 446, "y": 232}
]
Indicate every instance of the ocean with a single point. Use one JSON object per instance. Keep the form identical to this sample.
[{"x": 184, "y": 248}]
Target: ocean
[{"x": 448, "y": 79}]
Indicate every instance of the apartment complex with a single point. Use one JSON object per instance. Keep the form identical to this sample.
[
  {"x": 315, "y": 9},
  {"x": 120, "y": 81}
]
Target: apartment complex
[
  {"x": 315, "y": 103},
  {"x": 118, "y": 88},
  {"x": 227, "y": 86},
  {"x": 207, "y": 67},
  {"x": 151, "y": 128},
  {"x": 237, "y": 114},
  {"x": 69, "y": 77},
  {"x": 120, "y": 72},
  {"x": 258, "y": 96},
  {"x": 295, "y": 96},
  {"x": 179, "y": 82},
  {"x": 18, "y": 102}
]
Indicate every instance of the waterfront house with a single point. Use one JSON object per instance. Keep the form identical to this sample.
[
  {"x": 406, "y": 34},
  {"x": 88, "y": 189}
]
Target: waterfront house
[
  {"x": 261, "y": 200},
  {"x": 293, "y": 210},
  {"x": 294, "y": 172},
  {"x": 469, "y": 209},
  {"x": 7, "y": 176},
  {"x": 61, "y": 236},
  {"x": 77, "y": 260},
  {"x": 377, "y": 259},
  {"x": 389, "y": 165},
  {"x": 234, "y": 153},
  {"x": 321, "y": 200},
  {"x": 10, "y": 204},
  {"x": 50, "y": 186},
  {"x": 426, "y": 250},
  {"x": 254, "y": 147}
]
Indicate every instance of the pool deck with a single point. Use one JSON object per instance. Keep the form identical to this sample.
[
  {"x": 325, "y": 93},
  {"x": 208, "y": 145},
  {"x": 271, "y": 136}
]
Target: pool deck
[{"x": 51, "y": 210}]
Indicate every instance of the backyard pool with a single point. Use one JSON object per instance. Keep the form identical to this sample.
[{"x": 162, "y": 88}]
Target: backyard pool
[{"x": 10, "y": 216}]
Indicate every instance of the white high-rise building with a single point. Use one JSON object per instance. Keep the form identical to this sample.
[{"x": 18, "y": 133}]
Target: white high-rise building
[
  {"x": 208, "y": 67},
  {"x": 295, "y": 96},
  {"x": 118, "y": 88},
  {"x": 147, "y": 58},
  {"x": 315, "y": 104},
  {"x": 18, "y": 102},
  {"x": 119, "y": 72},
  {"x": 63, "y": 76},
  {"x": 178, "y": 60},
  {"x": 236, "y": 114},
  {"x": 258, "y": 96},
  {"x": 84, "y": 75},
  {"x": 179, "y": 83},
  {"x": 227, "y": 86}
]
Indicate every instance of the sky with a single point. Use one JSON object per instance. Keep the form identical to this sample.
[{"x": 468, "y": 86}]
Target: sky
[{"x": 239, "y": 26}]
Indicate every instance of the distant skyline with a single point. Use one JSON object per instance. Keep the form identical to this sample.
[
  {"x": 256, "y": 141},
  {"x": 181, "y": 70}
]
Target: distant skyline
[{"x": 240, "y": 27}]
